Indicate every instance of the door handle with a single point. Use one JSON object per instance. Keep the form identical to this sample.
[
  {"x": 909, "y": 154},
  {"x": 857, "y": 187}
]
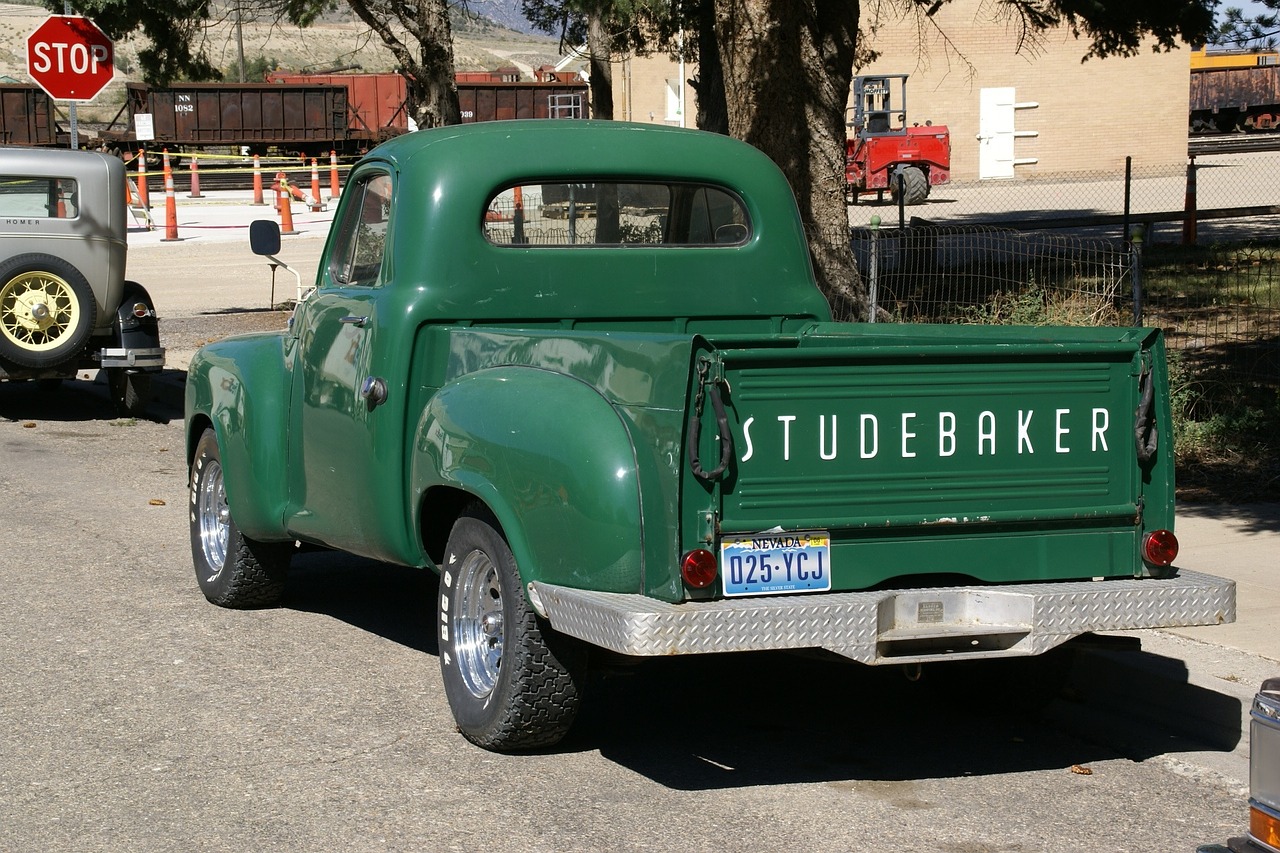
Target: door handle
[{"x": 353, "y": 320}]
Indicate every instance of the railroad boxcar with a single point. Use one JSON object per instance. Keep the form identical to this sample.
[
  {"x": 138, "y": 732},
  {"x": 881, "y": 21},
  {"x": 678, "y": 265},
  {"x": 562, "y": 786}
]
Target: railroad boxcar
[
  {"x": 495, "y": 101},
  {"x": 308, "y": 119},
  {"x": 377, "y": 104},
  {"x": 27, "y": 116},
  {"x": 1224, "y": 100}
]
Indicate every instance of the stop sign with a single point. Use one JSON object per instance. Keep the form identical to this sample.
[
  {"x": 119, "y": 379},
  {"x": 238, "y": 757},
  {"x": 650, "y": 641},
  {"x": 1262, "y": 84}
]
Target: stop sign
[{"x": 70, "y": 58}]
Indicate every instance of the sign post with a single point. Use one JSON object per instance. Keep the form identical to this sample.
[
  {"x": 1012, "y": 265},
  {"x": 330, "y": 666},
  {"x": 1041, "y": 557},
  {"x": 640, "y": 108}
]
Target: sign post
[{"x": 71, "y": 59}]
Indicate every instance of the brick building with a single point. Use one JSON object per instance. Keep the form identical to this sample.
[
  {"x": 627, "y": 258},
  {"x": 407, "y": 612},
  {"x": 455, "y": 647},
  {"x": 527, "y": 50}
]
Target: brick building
[{"x": 1027, "y": 114}]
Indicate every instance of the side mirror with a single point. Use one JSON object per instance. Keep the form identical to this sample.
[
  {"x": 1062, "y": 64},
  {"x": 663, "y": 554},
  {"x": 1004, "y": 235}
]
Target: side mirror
[{"x": 264, "y": 236}]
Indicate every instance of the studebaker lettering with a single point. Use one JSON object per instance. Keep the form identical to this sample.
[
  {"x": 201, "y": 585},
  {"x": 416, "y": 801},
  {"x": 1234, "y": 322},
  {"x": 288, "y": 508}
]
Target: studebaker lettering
[{"x": 942, "y": 437}]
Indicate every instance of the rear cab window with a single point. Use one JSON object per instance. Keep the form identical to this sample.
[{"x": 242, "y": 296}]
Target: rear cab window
[{"x": 616, "y": 213}]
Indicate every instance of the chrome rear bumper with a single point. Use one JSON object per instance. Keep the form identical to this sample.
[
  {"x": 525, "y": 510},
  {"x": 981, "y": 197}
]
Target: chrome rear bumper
[{"x": 889, "y": 626}]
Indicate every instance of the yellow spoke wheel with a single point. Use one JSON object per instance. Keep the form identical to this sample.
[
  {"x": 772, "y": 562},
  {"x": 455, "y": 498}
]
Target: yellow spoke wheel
[{"x": 46, "y": 311}]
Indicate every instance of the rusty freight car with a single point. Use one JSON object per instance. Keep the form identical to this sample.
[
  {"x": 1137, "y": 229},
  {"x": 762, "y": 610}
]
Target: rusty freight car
[
  {"x": 494, "y": 101},
  {"x": 1224, "y": 100},
  {"x": 309, "y": 119},
  {"x": 377, "y": 104},
  {"x": 26, "y": 116}
]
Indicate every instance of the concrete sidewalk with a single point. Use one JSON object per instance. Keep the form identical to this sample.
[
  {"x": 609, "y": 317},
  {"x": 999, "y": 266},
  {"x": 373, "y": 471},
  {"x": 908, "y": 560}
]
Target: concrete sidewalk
[
  {"x": 1241, "y": 543},
  {"x": 224, "y": 216}
]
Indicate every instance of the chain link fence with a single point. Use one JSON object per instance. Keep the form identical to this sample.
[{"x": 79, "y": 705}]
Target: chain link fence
[
  {"x": 1053, "y": 249},
  {"x": 1095, "y": 202}
]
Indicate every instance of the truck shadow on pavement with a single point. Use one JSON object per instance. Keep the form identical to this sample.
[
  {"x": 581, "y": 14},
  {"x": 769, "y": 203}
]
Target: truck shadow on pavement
[
  {"x": 770, "y": 718},
  {"x": 79, "y": 400}
]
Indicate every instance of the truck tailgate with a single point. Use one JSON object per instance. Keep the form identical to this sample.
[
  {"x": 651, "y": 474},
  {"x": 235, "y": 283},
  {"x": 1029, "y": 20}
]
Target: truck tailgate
[{"x": 1008, "y": 458}]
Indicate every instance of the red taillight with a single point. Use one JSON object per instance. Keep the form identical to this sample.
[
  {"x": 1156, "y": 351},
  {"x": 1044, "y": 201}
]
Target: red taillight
[
  {"x": 1160, "y": 548},
  {"x": 140, "y": 310},
  {"x": 698, "y": 567}
]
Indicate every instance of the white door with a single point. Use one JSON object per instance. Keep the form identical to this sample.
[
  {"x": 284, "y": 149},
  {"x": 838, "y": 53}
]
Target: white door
[{"x": 995, "y": 133}]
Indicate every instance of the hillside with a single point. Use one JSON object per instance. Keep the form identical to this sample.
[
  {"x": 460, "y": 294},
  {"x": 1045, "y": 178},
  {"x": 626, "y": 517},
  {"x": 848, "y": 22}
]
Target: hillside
[{"x": 338, "y": 40}]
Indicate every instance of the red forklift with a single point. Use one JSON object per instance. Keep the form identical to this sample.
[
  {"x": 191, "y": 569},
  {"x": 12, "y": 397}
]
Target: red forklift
[{"x": 884, "y": 153}]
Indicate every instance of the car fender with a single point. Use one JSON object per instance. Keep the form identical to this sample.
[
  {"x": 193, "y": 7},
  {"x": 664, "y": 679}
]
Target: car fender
[
  {"x": 237, "y": 386},
  {"x": 136, "y": 333},
  {"x": 552, "y": 459}
]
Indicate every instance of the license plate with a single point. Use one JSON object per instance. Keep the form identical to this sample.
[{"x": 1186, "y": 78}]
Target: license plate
[{"x": 776, "y": 563}]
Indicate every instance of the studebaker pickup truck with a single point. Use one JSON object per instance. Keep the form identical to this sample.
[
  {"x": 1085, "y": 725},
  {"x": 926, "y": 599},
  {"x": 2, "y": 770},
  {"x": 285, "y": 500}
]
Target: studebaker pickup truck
[{"x": 583, "y": 371}]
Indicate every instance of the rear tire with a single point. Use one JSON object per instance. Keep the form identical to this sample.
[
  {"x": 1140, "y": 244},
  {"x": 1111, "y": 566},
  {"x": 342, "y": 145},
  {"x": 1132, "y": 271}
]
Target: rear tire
[
  {"x": 47, "y": 310},
  {"x": 232, "y": 570},
  {"x": 512, "y": 683},
  {"x": 915, "y": 185}
]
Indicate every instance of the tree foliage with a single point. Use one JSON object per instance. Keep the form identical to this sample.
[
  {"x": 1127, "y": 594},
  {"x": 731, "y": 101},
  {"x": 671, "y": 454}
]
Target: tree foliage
[
  {"x": 172, "y": 27},
  {"x": 1261, "y": 30}
]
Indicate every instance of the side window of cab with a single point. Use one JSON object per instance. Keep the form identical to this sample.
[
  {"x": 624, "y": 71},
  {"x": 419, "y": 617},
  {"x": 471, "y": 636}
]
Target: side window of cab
[{"x": 362, "y": 233}]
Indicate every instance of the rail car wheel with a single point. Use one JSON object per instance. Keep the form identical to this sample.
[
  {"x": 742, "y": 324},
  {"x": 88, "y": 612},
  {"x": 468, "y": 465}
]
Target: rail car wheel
[
  {"x": 512, "y": 683},
  {"x": 915, "y": 185},
  {"x": 47, "y": 310}
]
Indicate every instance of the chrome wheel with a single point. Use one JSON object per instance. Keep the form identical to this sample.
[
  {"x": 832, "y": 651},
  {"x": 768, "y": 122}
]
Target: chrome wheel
[
  {"x": 478, "y": 624},
  {"x": 212, "y": 517}
]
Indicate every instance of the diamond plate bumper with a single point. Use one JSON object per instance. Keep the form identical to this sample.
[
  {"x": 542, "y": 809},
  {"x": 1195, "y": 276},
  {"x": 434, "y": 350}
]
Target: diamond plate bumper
[{"x": 890, "y": 626}]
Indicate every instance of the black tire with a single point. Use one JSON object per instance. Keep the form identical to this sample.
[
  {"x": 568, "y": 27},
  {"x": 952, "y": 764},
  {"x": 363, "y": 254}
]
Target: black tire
[
  {"x": 915, "y": 185},
  {"x": 47, "y": 310},
  {"x": 512, "y": 683},
  {"x": 232, "y": 570},
  {"x": 130, "y": 391}
]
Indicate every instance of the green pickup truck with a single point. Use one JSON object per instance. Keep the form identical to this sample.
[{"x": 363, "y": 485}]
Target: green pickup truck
[{"x": 582, "y": 370}]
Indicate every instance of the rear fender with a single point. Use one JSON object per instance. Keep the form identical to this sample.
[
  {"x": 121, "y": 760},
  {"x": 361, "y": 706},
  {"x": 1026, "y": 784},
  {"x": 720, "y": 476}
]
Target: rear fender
[
  {"x": 238, "y": 387},
  {"x": 552, "y": 459},
  {"x": 135, "y": 332}
]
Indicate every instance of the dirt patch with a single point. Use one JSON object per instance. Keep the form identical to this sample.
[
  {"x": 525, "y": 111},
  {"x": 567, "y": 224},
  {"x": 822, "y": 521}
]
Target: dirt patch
[{"x": 182, "y": 336}]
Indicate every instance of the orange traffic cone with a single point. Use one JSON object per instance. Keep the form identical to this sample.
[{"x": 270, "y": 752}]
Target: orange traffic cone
[
  {"x": 333, "y": 175},
  {"x": 195, "y": 179},
  {"x": 170, "y": 204},
  {"x": 144, "y": 196},
  {"x": 285, "y": 203},
  {"x": 257, "y": 180},
  {"x": 316, "y": 206}
]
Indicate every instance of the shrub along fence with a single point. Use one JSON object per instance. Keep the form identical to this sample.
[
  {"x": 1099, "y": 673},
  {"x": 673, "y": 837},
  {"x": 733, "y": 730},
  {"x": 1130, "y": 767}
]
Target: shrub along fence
[{"x": 1218, "y": 305}]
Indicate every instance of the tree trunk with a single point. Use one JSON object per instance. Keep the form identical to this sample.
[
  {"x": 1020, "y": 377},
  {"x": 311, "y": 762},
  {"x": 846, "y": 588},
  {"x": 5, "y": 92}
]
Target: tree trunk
[
  {"x": 787, "y": 69},
  {"x": 426, "y": 61},
  {"x": 708, "y": 85},
  {"x": 601, "y": 71},
  {"x": 433, "y": 86}
]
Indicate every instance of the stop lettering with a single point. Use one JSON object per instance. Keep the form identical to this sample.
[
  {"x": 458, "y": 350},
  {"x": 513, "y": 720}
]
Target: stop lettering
[{"x": 70, "y": 58}]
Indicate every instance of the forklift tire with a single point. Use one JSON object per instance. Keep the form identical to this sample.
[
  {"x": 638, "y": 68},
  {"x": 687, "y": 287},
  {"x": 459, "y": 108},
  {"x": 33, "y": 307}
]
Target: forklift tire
[{"x": 915, "y": 185}]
